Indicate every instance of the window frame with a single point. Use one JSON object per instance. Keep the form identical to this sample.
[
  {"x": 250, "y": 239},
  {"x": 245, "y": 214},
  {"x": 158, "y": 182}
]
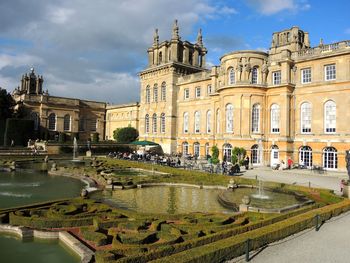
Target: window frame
[
  {"x": 256, "y": 118},
  {"x": 306, "y": 75},
  {"x": 330, "y": 73},
  {"x": 330, "y": 128},
  {"x": 186, "y": 94},
  {"x": 275, "y": 118},
  {"x": 305, "y": 118},
  {"x": 198, "y": 92},
  {"x": 276, "y": 77}
]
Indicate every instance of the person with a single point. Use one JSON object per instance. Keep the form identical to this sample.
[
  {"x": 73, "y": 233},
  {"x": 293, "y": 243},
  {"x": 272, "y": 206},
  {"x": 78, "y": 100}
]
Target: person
[
  {"x": 302, "y": 164},
  {"x": 290, "y": 163},
  {"x": 282, "y": 165},
  {"x": 12, "y": 143},
  {"x": 246, "y": 163},
  {"x": 342, "y": 184}
]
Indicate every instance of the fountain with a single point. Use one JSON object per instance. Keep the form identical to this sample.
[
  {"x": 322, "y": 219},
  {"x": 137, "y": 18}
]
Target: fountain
[
  {"x": 75, "y": 150},
  {"x": 260, "y": 194}
]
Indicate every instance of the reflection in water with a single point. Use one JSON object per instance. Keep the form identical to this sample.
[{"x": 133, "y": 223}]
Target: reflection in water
[{"x": 166, "y": 199}]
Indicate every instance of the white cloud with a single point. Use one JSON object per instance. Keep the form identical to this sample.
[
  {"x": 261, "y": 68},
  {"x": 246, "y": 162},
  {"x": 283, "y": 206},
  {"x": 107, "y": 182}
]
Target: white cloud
[{"x": 271, "y": 7}]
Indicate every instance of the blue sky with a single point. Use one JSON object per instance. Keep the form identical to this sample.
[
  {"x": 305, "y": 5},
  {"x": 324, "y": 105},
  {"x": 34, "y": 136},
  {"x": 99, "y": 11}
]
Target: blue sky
[{"x": 94, "y": 49}]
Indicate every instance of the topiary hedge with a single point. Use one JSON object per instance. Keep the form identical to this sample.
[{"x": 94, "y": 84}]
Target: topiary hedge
[{"x": 90, "y": 234}]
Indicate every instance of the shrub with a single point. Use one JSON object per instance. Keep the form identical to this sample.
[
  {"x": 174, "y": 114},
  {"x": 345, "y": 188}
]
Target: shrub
[
  {"x": 89, "y": 234},
  {"x": 215, "y": 154},
  {"x": 126, "y": 135}
]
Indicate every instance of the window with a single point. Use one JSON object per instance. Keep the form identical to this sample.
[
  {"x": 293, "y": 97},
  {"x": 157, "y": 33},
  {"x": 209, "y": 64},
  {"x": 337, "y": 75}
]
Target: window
[
  {"x": 35, "y": 117},
  {"x": 154, "y": 123},
  {"x": 196, "y": 149},
  {"x": 276, "y": 77},
  {"x": 256, "y": 118},
  {"x": 227, "y": 152},
  {"x": 66, "y": 122},
  {"x": 229, "y": 118},
  {"x": 82, "y": 121},
  {"x": 186, "y": 122},
  {"x": 148, "y": 94},
  {"x": 330, "y": 158},
  {"x": 305, "y": 117},
  {"x": 275, "y": 118},
  {"x": 209, "y": 121},
  {"x": 255, "y": 154},
  {"x": 330, "y": 72},
  {"x": 306, "y": 75},
  {"x": 218, "y": 123},
  {"x": 186, "y": 94},
  {"x": 198, "y": 92},
  {"x": 231, "y": 77},
  {"x": 197, "y": 117},
  {"x": 93, "y": 125},
  {"x": 255, "y": 75},
  {"x": 163, "y": 92},
  {"x": 162, "y": 123},
  {"x": 209, "y": 91},
  {"x": 330, "y": 112},
  {"x": 147, "y": 123},
  {"x": 207, "y": 150},
  {"x": 52, "y": 122},
  {"x": 155, "y": 93},
  {"x": 305, "y": 156},
  {"x": 185, "y": 148}
]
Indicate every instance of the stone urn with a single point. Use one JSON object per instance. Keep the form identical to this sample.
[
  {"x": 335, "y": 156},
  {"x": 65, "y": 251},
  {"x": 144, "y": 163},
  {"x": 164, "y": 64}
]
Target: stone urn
[
  {"x": 84, "y": 193},
  {"x": 54, "y": 166},
  {"x": 246, "y": 200},
  {"x": 46, "y": 159}
]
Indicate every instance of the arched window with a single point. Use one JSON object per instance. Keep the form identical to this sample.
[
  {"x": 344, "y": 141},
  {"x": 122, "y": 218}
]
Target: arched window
[
  {"x": 256, "y": 118},
  {"x": 197, "y": 122},
  {"x": 330, "y": 115},
  {"x": 154, "y": 123},
  {"x": 35, "y": 117},
  {"x": 229, "y": 118},
  {"x": 155, "y": 93},
  {"x": 227, "y": 152},
  {"x": 66, "y": 122},
  {"x": 275, "y": 118},
  {"x": 231, "y": 76},
  {"x": 186, "y": 122},
  {"x": 255, "y": 75},
  {"x": 148, "y": 94},
  {"x": 185, "y": 148},
  {"x": 163, "y": 92},
  {"x": 330, "y": 158},
  {"x": 207, "y": 150},
  {"x": 208, "y": 121},
  {"x": 52, "y": 122},
  {"x": 196, "y": 149},
  {"x": 305, "y": 117},
  {"x": 305, "y": 156},
  {"x": 255, "y": 154},
  {"x": 147, "y": 123},
  {"x": 162, "y": 123},
  {"x": 218, "y": 119}
]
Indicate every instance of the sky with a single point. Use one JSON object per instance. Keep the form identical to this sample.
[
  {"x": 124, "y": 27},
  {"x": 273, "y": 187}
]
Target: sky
[{"x": 94, "y": 49}]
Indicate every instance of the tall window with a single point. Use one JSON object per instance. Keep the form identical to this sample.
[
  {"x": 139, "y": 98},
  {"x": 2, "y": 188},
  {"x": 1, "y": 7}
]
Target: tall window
[
  {"x": 196, "y": 149},
  {"x": 93, "y": 125},
  {"x": 209, "y": 90},
  {"x": 305, "y": 117},
  {"x": 35, "y": 117},
  {"x": 209, "y": 121},
  {"x": 82, "y": 123},
  {"x": 185, "y": 148},
  {"x": 330, "y": 72},
  {"x": 147, "y": 123},
  {"x": 255, "y": 75},
  {"x": 186, "y": 94},
  {"x": 148, "y": 94},
  {"x": 227, "y": 152},
  {"x": 198, "y": 92},
  {"x": 218, "y": 121},
  {"x": 330, "y": 114},
  {"x": 330, "y": 158},
  {"x": 154, "y": 123},
  {"x": 66, "y": 122},
  {"x": 163, "y": 92},
  {"x": 306, "y": 75},
  {"x": 231, "y": 77},
  {"x": 155, "y": 93},
  {"x": 162, "y": 123},
  {"x": 256, "y": 118},
  {"x": 276, "y": 77},
  {"x": 305, "y": 156},
  {"x": 255, "y": 154},
  {"x": 207, "y": 150},
  {"x": 197, "y": 119},
  {"x": 229, "y": 118},
  {"x": 186, "y": 122},
  {"x": 275, "y": 118},
  {"x": 52, "y": 122}
]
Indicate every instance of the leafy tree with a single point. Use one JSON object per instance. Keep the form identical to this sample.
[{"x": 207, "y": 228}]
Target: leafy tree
[
  {"x": 7, "y": 104},
  {"x": 125, "y": 135},
  {"x": 214, "y": 154},
  {"x": 238, "y": 155}
]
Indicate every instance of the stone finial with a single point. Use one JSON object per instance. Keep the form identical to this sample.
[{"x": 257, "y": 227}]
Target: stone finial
[
  {"x": 175, "y": 35},
  {"x": 156, "y": 38},
  {"x": 200, "y": 38}
]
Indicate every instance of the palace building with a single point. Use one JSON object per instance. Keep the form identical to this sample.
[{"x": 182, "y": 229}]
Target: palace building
[{"x": 291, "y": 101}]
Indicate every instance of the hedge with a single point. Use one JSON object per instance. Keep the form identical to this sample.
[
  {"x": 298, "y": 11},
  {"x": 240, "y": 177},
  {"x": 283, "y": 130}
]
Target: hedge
[
  {"x": 90, "y": 234},
  {"x": 18, "y": 130}
]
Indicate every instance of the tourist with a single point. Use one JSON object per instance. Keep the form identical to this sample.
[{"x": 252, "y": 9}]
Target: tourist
[
  {"x": 246, "y": 163},
  {"x": 342, "y": 184},
  {"x": 290, "y": 163}
]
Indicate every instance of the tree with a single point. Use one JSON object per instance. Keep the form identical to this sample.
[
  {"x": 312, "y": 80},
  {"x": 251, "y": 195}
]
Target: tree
[
  {"x": 125, "y": 135},
  {"x": 7, "y": 104},
  {"x": 214, "y": 154},
  {"x": 238, "y": 155}
]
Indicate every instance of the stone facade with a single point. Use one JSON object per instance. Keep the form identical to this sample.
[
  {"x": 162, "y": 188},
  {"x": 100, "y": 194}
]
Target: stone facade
[
  {"x": 53, "y": 115},
  {"x": 289, "y": 102}
]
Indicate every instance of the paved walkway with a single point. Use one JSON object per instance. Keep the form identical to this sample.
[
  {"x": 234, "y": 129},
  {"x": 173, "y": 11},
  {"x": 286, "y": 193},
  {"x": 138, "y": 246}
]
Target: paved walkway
[{"x": 330, "y": 244}]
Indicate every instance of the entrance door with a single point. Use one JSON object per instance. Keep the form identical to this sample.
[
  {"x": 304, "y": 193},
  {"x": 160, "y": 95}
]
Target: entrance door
[{"x": 274, "y": 160}]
